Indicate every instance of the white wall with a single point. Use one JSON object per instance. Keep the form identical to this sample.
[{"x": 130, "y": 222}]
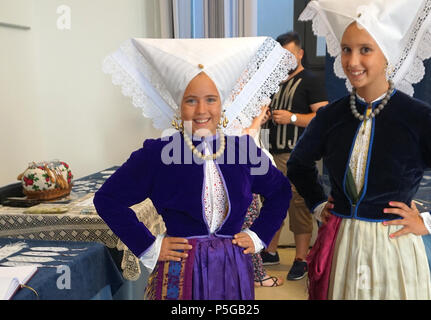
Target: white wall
[{"x": 55, "y": 101}]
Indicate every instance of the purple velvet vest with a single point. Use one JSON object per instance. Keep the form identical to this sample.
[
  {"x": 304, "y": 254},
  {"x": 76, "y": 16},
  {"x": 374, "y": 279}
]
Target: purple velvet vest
[{"x": 176, "y": 190}]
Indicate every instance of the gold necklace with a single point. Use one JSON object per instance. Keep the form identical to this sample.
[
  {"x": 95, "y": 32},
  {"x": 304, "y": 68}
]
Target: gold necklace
[{"x": 199, "y": 154}]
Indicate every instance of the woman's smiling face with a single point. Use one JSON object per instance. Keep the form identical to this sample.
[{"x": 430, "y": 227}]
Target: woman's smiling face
[
  {"x": 363, "y": 61},
  {"x": 201, "y": 106}
]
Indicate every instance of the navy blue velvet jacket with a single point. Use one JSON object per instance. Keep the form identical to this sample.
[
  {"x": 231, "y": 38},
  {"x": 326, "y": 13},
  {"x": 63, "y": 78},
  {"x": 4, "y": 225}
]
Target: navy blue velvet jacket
[
  {"x": 400, "y": 151},
  {"x": 176, "y": 191}
]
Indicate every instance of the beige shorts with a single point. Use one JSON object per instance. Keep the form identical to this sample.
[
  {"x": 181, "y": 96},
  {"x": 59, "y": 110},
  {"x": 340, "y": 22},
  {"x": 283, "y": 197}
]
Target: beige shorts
[{"x": 300, "y": 220}]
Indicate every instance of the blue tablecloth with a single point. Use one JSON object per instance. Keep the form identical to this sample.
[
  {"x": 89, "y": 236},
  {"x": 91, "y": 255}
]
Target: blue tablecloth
[{"x": 91, "y": 271}]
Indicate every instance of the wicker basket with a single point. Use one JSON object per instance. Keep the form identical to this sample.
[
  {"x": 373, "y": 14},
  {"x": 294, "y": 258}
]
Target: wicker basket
[
  {"x": 48, "y": 194},
  {"x": 46, "y": 180}
]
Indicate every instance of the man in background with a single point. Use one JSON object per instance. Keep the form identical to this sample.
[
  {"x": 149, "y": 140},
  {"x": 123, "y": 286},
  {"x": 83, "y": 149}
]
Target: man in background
[{"x": 292, "y": 109}]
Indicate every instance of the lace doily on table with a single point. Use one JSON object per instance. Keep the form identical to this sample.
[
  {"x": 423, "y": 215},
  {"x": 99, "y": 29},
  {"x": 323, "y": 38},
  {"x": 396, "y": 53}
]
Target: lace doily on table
[
  {"x": 141, "y": 82},
  {"x": 148, "y": 215},
  {"x": 73, "y": 226},
  {"x": 56, "y": 227},
  {"x": 407, "y": 71}
]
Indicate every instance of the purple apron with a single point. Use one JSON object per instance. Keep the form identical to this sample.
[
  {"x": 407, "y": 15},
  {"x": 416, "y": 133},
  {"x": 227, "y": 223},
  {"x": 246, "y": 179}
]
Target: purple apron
[{"x": 214, "y": 270}]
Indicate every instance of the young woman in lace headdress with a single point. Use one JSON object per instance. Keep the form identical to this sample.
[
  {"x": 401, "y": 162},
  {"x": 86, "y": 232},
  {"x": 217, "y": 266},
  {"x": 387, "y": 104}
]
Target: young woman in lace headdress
[
  {"x": 200, "y": 179},
  {"x": 376, "y": 145}
]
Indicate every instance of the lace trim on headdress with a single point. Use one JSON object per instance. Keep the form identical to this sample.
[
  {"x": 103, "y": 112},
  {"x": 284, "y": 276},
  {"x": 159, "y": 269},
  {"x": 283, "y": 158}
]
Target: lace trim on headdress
[
  {"x": 321, "y": 27},
  {"x": 139, "y": 81},
  {"x": 261, "y": 79},
  {"x": 416, "y": 51}
]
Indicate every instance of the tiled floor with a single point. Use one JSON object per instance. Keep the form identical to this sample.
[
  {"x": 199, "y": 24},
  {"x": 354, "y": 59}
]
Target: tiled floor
[{"x": 290, "y": 290}]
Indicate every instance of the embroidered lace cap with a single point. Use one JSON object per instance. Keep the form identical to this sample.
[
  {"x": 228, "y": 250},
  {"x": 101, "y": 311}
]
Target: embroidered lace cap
[
  {"x": 401, "y": 28},
  {"x": 154, "y": 73}
]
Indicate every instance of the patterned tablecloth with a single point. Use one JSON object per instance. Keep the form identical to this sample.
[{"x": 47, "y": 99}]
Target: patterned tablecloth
[{"x": 79, "y": 223}]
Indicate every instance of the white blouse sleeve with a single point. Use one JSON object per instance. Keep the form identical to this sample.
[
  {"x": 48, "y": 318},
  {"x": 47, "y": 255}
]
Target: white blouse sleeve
[
  {"x": 426, "y": 216},
  {"x": 318, "y": 211},
  {"x": 258, "y": 244},
  {"x": 150, "y": 257}
]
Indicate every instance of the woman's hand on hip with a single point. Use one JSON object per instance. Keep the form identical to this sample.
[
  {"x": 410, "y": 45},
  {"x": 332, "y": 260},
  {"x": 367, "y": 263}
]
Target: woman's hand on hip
[
  {"x": 412, "y": 220},
  {"x": 243, "y": 240},
  {"x": 326, "y": 213},
  {"x": 174, "y": 249}
]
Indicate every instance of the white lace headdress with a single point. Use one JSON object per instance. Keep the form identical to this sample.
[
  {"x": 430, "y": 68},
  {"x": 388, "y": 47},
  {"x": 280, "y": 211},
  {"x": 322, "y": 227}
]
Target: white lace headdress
[
  {"x": 155, "y": 73},
  {"x": 401, "y": 28}
]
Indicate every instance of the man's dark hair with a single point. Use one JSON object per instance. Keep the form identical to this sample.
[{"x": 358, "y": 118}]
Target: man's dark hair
[{"x": 289, "y": 37}]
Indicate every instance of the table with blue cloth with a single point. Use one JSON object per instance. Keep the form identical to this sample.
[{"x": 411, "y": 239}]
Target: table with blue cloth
[
  {"x": 85, "y": 271},
  {"x": 80, "y": 223}
]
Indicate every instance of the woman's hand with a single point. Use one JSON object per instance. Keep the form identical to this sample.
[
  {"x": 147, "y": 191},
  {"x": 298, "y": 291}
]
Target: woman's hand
[
  {"x": 326, "y": 213},
  {"x": 243, "y": 240},
  {"x": 264, "y": 116},
  {"x": 412, "y": 221},
  {"x": 257, "y": 122},
  {"x": 168, "y": 251}
]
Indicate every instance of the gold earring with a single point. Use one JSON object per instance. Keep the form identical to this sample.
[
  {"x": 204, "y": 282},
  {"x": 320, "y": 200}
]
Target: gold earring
[
  {"x": 223, "y": 120},
  {"x": 389, "y": 69},
  {"x": 174, "y": 123}
]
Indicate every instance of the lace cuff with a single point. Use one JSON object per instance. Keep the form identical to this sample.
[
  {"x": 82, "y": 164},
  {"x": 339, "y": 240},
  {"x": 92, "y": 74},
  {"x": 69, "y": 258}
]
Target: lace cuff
[
  {"x": 317, "y": 212},
  {"x": 258, "y": 244},
  {"x": 426, "y": 216},
  {"x": 150, "y": 257}
]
